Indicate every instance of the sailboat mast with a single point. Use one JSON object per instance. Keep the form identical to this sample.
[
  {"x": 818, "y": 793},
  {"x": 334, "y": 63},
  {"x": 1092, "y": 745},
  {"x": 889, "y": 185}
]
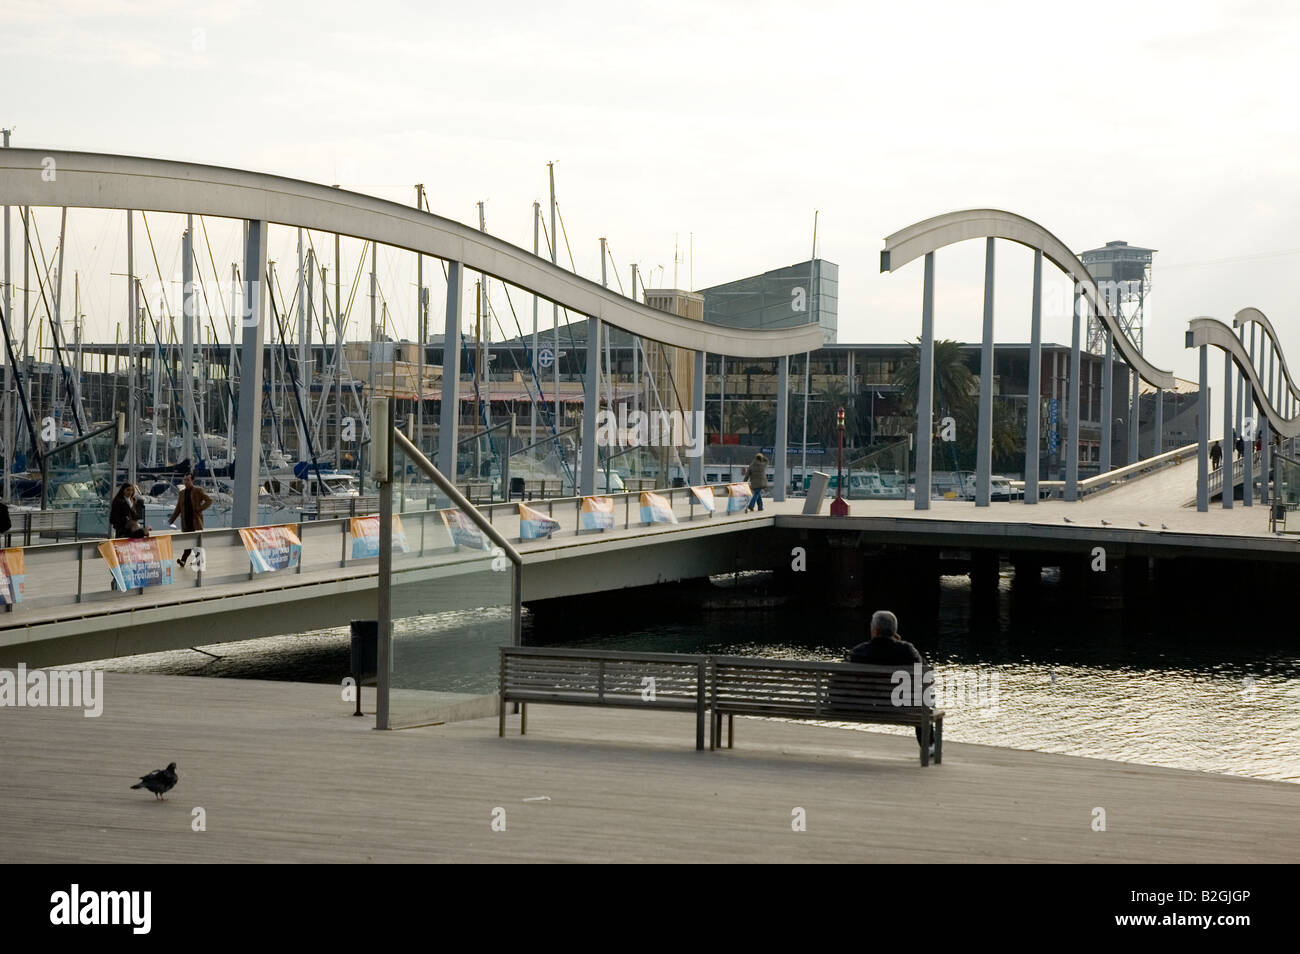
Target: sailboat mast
[
  {"x": 558, "y": 422},
  {"x": 5, "y": 300},
  {"x": 132, "y": 318},
  {"x": 338, "y": 355},
  {"x": 187, "y": 342},
  {"x": 532, "y": 426}
]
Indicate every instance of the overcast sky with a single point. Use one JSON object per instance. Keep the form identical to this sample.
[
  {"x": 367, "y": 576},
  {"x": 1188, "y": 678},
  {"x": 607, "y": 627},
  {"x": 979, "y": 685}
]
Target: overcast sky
[{"x": 1169, "y": 125}]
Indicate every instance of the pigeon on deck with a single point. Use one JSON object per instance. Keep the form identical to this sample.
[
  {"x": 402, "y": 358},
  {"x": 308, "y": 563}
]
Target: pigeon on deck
[{"x": 159, "y": 780}]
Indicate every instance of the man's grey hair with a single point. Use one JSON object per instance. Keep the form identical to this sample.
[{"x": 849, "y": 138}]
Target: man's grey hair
[{"x": 884, "y": 623}]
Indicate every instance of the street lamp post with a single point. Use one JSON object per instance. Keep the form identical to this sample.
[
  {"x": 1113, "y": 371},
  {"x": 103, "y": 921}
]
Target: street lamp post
[{"x": 839, "y": 507}]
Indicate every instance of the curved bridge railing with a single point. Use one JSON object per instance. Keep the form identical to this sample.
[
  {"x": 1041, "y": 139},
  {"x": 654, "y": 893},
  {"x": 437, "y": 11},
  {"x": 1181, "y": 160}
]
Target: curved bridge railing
[
  {"x": 56, "y": 178},
  {"x": 923, "y": 239},
  {"x": 1266, "y": 406}
]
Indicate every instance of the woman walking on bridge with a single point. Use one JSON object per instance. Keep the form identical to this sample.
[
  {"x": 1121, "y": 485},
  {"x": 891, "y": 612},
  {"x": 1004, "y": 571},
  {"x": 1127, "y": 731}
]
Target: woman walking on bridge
[{"x": 756, "y": 477}]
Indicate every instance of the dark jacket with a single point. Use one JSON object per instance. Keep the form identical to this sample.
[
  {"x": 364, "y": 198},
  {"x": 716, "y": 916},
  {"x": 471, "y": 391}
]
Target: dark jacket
[
  {"x": 757, "y": 474},
  {"x": 190, "y": 504},
  {"x": 120, "y": 515},
  {"x": 885, "y": 651}
]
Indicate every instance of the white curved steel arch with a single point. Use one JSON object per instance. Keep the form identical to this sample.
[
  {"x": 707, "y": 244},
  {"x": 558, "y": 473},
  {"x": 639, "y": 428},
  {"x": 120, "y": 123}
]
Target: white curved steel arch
[
  {"x": 102, "y": 181},
  {"x": 953, "y": 227},
  {"x": 1254, "y": 315},
  {"x": 1211, "y": 331}
]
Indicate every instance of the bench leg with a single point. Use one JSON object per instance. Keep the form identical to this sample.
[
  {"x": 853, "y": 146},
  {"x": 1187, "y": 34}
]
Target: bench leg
[
  {"x": 925, "y": 742},
  {"x": 501, "y": 722},
  {"x": 938, "y": 740},
  {"x": 523, "y": 719},
  {"x": 731, "y": 731},
  {"x": 713, "y": 731}
]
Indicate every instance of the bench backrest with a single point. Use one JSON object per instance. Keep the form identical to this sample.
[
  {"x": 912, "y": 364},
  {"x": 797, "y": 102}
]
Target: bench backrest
[
  {"x": 52, "y": 520},
  {"x": 824, "y": 689},
  {"x": 629, "y": 678}
]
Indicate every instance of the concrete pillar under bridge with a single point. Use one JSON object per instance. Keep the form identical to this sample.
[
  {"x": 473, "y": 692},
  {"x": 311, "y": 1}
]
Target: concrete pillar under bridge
[
  {"x": 985, "y": 577},
  {"x": 1135, "y": 573}
]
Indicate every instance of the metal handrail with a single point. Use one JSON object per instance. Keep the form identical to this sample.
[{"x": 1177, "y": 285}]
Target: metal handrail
[
  {"x": 401, "y": 441},
  {"x": 1097, "y": 481}
]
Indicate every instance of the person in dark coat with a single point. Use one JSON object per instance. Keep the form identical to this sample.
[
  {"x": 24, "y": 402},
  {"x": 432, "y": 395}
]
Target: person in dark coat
[
  {"x": 1216, "y": 455},
  {"x": 126, "y": 514},
  {"x": 190, "y": 504},
  {"x": 756, "y": 477},
  {"x": 885, "y": 648}
]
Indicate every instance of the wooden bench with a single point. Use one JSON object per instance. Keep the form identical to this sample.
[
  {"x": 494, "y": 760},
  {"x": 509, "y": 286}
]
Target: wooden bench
[
  {"x": 327, "y": 507},
  {"x": 46, "y": 523},
  {"x": 571, "y": 677},
  {"x": 833, "y": 692}
]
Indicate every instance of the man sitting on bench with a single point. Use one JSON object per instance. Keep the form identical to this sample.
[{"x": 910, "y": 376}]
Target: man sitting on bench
[{"x": 884, "y": 648}]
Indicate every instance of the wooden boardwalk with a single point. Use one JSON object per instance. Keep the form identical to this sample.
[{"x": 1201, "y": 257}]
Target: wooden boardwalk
[{"x": 284, "y": 773}]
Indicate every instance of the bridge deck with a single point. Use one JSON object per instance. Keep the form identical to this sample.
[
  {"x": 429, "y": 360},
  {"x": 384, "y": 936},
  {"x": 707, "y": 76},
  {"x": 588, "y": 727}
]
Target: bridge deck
[
  {"x": 285, "y": 773},
  {"x": 326, "y": 594}
]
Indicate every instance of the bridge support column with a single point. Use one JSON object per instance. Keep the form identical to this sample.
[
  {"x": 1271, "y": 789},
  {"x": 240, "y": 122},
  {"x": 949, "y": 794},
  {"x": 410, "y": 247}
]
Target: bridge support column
[
  {"x": 1107, "y": 401},
  {"x": 1034, "y": 399},
  {"x": 1265, "y": 463},
  {"x": 1072, "y": 425},
  {"x": 697, "y": 421},
  {"x": 1135, "y": 386},
  {"x": 782, "y": 427},
  {"x": 984, "y": 426},
  {"x": 925, "y": 390},
  {"x": 1229, "y": 488},
  {"x": 1203, "y": 434},
  {"x": 1158, "y": 442},
  {"x": 450, "y": 413},
  {"x": 248, "y": 435},
  {"x": 590, "y": 400},
  {"x": 1248, "y": 440}
]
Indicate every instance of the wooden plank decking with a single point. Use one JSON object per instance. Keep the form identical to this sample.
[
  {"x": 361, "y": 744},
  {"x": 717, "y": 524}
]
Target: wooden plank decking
[{"x": 286, "y": 774}]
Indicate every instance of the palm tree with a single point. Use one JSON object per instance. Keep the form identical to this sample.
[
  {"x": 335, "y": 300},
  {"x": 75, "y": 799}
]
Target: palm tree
[
  {"x": 956, "y": 395},
  {"x": 756, "y": 419},
  {"x": 954, "y": 384}
]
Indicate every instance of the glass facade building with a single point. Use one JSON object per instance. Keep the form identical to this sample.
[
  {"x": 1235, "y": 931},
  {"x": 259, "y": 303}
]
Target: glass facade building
[{"x": 782, "y": 298}]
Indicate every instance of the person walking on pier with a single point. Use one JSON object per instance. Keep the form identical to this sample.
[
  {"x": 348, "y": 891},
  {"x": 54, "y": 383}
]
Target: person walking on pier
[
  {"x": 190, "y": 504},
  {"x": 756, "y": 477},
  {"x": 126, "y": 514},
  {"x": 1216, "y": 455}
]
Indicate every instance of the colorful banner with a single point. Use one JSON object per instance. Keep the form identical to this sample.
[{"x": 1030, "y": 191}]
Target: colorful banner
[
  {"x": 598, "y": 513},
  {"x": 147, "y": 561},
  {"x": 704, "y": 497},
  {"x": 534, "y": 525},
  {"x": 463, "y": 531},
  {"x": 740, "y": 496},
  {"x": 13, "y": 570},
  {"x": 272, "y": 548},
  {"x": 656, "y": 509},
  {"x": 365, "y": 536}
]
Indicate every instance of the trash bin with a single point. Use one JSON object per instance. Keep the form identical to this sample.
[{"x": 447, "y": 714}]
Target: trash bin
[
  {"x": 679, "y": 481},
  {"x": 365, "y": 654},
  {"x": 516, "y": 488}
]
